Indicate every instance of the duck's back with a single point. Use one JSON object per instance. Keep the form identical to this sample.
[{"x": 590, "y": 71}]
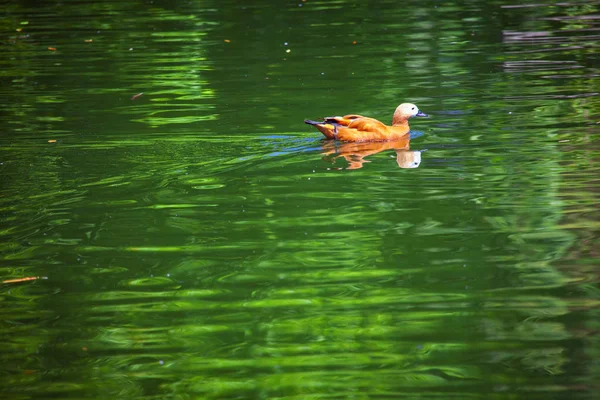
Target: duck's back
[{"x": 369, "y": 129}]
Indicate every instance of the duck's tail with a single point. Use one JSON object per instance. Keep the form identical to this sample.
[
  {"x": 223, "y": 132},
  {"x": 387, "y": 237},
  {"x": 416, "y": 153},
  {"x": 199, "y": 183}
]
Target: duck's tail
[
  {"x": 327, "y": 129},
  {"x": 311, "y": 122}
]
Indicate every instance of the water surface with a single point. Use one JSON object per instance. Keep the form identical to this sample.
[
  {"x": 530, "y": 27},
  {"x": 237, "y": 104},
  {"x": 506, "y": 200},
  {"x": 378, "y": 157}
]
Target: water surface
[{"x": 171, "y": 229}]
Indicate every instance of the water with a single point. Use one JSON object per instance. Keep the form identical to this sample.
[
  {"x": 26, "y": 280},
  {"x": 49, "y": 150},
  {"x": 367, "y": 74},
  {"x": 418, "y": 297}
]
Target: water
[{"x": 171, "y": 229}]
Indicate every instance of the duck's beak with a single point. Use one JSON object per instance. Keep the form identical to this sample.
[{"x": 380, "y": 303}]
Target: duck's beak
[{"x": 421, "y": 114}]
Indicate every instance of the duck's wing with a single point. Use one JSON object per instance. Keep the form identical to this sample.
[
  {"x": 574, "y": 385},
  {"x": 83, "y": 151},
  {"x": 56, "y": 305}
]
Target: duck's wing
[
  {"x": 344, "y": 121},
  {"x": 352, "y": 128},
  {"x": 353, "y": 116},
  {"x": 363, "y": 129},
  {"x": 368, "y": 125}
]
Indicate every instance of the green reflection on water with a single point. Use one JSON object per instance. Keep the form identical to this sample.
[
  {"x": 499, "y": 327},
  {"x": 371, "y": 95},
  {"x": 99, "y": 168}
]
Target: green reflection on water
[{"x": 186, "y": 235}]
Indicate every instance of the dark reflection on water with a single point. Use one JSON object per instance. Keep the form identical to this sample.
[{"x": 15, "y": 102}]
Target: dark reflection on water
[{"x": 171, "y": 229}]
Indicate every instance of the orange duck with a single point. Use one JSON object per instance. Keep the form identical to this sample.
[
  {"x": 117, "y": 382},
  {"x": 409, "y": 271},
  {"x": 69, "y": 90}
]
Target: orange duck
[{"x": 356, "y": 128}]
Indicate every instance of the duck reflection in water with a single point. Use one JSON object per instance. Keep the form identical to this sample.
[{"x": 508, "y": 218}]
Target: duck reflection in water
[{"x": 355, "y": 153}]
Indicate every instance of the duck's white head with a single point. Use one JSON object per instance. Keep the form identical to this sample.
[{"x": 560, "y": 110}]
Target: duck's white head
[
  {"x": 405, "y": 111},
  {"x": 411, "y": 109}
]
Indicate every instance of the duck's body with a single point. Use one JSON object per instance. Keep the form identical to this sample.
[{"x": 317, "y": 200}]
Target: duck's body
[{"x": 356, "y": 128}]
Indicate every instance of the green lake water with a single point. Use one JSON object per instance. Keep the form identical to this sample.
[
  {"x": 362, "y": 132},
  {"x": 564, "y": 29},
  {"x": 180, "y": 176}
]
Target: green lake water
[{"x": 171, "y": 229}]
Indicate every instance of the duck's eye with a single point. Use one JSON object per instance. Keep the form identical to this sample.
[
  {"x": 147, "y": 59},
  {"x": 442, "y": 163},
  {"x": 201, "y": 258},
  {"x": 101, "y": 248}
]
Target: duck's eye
[{"x": 413, "y": 109}]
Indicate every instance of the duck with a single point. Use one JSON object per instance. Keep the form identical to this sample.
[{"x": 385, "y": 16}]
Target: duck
[{"x": 356, "y": 128}]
